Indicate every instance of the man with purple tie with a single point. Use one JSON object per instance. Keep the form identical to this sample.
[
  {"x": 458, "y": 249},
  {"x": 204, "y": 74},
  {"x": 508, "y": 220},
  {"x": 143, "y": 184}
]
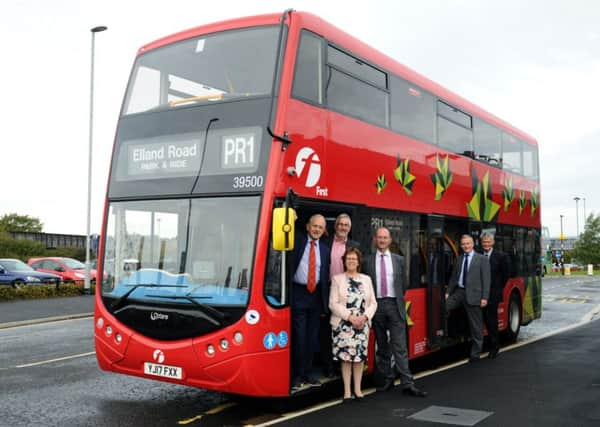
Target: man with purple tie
[{"x": 387, "y": 274}]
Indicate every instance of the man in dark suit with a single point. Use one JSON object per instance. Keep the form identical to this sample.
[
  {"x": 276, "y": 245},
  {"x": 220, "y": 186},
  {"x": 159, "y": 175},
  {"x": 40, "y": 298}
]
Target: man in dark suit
[
  {"x": 500, "y": 272},
  {"x": 310, "y": 297},
  {"x": 387, "y": 274},
  {"x": 338, "y": 244},
  {"x": 470, "y": 288}
]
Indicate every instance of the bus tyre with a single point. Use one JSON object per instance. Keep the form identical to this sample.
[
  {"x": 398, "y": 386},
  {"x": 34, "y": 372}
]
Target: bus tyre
[
  {"x": 18, "y": 284},
  {"x": 514, "y": 318}
]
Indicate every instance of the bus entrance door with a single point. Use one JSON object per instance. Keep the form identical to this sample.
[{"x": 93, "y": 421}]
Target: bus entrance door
[{"x": 437, "y": 265}]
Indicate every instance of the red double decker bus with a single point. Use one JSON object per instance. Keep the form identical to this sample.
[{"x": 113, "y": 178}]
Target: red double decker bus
[{"x": 234, "y": 133}]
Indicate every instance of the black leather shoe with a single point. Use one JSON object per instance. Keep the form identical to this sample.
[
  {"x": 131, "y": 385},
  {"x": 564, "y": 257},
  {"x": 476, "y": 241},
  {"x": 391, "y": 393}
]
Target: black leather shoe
[
  {"x": 493, "y": 353},
  {"x": 473, "y": 359},
  {"x": 412, "y": 390},
  {"x": 389, "y": 384},
  {"x": 346, "y": 400},
  {"x": 313, "y": 381}
]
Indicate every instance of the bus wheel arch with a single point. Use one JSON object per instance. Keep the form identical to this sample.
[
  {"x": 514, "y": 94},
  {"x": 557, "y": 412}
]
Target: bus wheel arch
[{"x": 514, "y": 316}]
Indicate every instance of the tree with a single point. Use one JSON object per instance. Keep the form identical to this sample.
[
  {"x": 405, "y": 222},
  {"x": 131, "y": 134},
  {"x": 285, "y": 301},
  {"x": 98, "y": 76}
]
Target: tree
[
  {"x": 16, "y": 222},
  {"x": 587, "y": 247}
]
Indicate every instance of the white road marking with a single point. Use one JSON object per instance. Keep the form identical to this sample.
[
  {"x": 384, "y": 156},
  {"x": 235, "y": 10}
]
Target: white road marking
[{"x": 43, "y": 362}]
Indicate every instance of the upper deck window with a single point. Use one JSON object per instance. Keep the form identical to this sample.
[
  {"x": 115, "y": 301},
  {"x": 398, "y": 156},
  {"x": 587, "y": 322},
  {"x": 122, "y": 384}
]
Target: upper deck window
[
  {"x": 530, "y": 161},
  {"x": 413, "y": 110},
  {"x": 511, "y": 154},
  {"x": 308, "y": 77},
  {"x": 210, "y": 68},
  {"x": 356, "y": 88},
  {"x": 356, "y": 67},
  {"x": 488, "y": 143},
  {"x": 454, "y": 129}
]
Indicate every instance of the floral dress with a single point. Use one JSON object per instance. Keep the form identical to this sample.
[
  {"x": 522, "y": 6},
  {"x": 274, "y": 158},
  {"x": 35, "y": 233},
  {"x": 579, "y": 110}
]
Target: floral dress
[{"x": 350, "y": 344}]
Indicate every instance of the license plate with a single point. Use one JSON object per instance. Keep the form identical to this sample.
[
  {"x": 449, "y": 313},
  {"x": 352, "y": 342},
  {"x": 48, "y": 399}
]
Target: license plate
[{"x": 165, "y": 371}]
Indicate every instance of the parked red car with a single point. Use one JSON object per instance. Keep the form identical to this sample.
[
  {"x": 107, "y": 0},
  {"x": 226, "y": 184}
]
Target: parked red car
[{"x": 71, "y": 270}]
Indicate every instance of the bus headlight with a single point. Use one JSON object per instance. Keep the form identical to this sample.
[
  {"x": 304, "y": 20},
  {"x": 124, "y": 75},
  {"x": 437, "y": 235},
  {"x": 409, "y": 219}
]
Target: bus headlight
[
  {"x": 109, "y": 330},
  {"x": 100, "y": 323},
  {"x": 224, "y": 344},
  {"x": 118, "y": 338}
]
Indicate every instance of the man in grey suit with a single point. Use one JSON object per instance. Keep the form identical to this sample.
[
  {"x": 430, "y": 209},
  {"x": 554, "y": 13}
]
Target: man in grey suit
[
  {"x": 387, "y": 274},
  {"x": 470, "y": 287}
]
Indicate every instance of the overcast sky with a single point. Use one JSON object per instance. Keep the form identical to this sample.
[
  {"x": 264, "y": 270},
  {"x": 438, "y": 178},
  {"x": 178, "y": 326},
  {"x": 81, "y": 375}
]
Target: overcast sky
[{"x": 535, "y": 64}]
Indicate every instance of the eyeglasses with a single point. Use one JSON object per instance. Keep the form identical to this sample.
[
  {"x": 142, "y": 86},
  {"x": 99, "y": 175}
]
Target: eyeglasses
[{"x": 351, "y": 259}]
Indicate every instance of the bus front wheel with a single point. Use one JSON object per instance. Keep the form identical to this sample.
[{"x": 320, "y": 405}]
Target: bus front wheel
[{"x": 514, "y": 317}]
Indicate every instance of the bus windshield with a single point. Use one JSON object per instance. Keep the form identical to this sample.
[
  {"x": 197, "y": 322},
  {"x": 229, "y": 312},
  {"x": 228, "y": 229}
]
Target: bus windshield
[
  {"x": 209, "y": 68},
  {"x": 184, "y": 251}
]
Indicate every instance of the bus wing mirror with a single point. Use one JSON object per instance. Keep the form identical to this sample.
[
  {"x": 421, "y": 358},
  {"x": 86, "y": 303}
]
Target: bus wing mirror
[{"x": 283, "y": 229}]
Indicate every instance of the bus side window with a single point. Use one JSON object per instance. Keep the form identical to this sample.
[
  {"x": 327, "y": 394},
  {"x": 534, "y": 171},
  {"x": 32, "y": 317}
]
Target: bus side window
[{"x": 272, "y": 289}]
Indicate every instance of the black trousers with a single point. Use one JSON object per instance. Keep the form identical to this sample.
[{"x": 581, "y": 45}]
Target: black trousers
[
  {"x": 306, "y": 311},
  {"x": 387, "y": 319},
  {"x": 474, "y": 316}
]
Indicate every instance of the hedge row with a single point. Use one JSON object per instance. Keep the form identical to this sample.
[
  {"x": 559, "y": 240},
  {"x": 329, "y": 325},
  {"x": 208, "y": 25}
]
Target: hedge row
[{"x": 8, "y": 293}]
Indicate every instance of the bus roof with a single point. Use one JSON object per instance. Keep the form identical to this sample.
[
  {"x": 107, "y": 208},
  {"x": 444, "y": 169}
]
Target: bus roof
[{"x": 355, "y": 46}]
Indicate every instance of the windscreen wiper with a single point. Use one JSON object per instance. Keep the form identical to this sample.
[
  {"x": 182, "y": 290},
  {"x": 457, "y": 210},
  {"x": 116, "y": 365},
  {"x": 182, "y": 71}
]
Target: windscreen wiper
[
  {"x": 216, "y": 316},
  {"x": 119, "y": 302}
]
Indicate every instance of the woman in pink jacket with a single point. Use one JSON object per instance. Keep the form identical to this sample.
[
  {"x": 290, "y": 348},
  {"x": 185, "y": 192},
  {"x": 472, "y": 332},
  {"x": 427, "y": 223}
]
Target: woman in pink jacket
[{"x": 352, "y": 304}]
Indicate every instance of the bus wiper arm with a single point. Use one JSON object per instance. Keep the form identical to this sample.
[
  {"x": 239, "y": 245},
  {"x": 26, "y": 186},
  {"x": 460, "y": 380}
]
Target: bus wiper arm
[
  {"x": 215, "y": 315},
  {"x": 119, "y": 302}
]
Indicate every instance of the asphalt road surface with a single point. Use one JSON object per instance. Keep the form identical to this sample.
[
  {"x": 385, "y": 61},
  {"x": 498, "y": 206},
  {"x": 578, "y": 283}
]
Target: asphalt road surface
[{"x": 49, "y": 375}]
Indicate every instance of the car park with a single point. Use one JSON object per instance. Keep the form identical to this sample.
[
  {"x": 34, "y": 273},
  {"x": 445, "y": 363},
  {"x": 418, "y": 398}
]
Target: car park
[
  {"x": 16, "y": 273},
  {"x": 69, "y": 269}
]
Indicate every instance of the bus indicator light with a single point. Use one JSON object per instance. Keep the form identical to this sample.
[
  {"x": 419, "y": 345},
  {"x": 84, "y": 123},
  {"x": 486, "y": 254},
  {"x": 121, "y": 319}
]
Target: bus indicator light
[
  {"x": 210, "y": 349},
  {"x": 238, "y": 338}
]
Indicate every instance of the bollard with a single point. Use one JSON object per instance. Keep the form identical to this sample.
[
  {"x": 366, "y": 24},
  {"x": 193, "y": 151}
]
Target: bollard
[
  {"x": 590, "y": 269},
  {"x": 567, "y": 270}
]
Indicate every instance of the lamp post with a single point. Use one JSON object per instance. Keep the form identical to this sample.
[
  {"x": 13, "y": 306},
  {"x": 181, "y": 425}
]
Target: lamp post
[
  {"x": 577, "y": 199},
  {"x": 584, "y": 217},
  {"x": 87, "y": 286}
]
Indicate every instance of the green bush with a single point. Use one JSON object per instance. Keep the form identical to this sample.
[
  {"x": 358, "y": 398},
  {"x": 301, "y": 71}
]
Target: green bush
[
  {"x": 21, "y": 249},
  {"x": 8, "y": 293},
  {"x": 24, "y": 249}
]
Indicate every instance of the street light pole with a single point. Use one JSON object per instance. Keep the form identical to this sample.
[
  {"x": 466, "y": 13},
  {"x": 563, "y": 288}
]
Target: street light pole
[
  {"x": 87, "y": 286},
  {"x": 577, "y": 212},
  {"x": 584, "y": 217}
]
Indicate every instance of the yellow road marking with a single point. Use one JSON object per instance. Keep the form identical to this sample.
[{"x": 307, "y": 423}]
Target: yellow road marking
[{"x": 212, "y": 411}]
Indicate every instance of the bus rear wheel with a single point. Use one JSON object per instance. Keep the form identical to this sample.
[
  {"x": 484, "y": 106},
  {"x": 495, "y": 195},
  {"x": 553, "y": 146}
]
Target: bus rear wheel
[{"x": 514, "y": 318}]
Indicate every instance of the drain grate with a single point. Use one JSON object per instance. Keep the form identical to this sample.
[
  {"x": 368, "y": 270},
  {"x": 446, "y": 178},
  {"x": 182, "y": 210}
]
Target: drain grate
[{"x": 452, "y": 416}]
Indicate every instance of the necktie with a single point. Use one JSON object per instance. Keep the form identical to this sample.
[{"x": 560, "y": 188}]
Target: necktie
[
  {"x": 464, "y": 271},
  {"x": 311, "y": 283},
  {"x": 383, "y": 277}
]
